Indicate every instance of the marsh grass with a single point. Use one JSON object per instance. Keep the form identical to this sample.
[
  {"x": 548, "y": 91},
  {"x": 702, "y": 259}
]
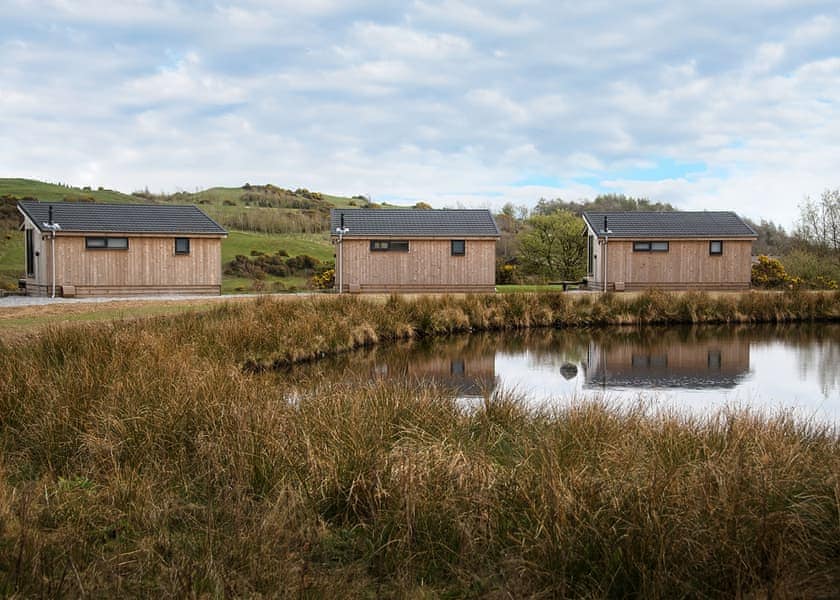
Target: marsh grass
[{"x": 140, "y": 458}]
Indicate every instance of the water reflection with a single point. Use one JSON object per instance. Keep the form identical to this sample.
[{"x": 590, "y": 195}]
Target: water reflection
[
  {"x": 691, "y": 358},
  {"x": 699, "y": 367}
]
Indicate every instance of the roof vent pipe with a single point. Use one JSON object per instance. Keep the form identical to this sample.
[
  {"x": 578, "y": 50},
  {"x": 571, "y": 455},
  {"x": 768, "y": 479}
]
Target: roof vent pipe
[{"x": 50, "y": 215}]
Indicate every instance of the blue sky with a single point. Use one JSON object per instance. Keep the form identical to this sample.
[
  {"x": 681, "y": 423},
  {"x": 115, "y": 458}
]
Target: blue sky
[{"x": 706, "y": 105}]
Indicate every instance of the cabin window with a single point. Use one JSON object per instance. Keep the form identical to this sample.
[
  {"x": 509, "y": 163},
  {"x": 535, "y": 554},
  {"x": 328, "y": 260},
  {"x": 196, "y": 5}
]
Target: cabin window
[
  {"x": 459, "y": 247},
  {"x": 30, "y": 253},
  {"x": 389, "y": 245},
  {"x": 716, "y": 247},
  {"x": 650, "y": 246},
  {"x": 182, "y": 245},
  {"x": 590, "y": 256},
  {"x": 106, "y": 243}
]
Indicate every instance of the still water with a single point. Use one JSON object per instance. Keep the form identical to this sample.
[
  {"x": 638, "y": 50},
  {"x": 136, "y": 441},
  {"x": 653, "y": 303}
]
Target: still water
[{"x": 696, "y": 369}]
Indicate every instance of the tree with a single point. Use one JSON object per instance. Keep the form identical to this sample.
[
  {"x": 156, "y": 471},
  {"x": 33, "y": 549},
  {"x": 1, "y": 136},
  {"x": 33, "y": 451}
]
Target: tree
[
  {"x": 510, "y": 222},
  {"x": 772, "y": 239},
  {"x": 819, "y": 222},
  {"x": 604, "y": 202},
  {"x": 553, "y": 246}
]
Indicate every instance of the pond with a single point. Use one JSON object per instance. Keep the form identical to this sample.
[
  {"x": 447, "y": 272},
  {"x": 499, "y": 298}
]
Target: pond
[{"x": 696, "y": 369}]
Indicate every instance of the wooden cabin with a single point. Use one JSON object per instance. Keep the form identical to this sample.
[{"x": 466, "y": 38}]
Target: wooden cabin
[
  {"x": 668, "y": 250},
  {"x": 412, "y": 250},
  {"x": 88, "y": 249}
]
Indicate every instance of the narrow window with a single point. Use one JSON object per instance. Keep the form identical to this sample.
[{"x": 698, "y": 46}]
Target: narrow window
[
  {"x": 30, "y": 253},
  {"x": 716, "y": 247},
  {"x": 106, "y": 243},
  {"x": 389, "y": 245},
  {"x": 459, "y": 247},
  {"x": 650, "y": 246},
  {"x": 591, "y": 256},
  {"x": 182, "y": 245}
]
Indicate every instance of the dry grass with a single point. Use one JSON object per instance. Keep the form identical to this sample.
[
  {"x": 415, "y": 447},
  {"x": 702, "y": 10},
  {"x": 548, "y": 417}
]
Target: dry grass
[{"x": 140, "y": 458}]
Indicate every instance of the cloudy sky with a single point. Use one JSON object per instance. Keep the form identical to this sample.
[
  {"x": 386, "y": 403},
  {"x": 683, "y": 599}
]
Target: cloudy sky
[{"x": 711, "y": 104}]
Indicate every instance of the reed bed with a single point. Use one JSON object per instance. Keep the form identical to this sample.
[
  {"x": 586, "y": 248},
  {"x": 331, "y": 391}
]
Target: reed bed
[{"x": 154, "y": 458}]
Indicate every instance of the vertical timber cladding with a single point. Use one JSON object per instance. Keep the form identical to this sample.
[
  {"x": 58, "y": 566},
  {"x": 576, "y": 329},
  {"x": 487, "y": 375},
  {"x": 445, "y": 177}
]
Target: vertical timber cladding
[
  {"x": 428, "y": 265},
  {"x": 149, "y": 261},
  {"x": 686, "y": 264}
]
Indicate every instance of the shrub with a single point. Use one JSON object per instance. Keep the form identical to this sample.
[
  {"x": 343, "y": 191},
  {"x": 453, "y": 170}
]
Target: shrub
[
  {"x": 769, "y": 273},
  {"x": 815, "y": 270},
  {"x": 506, "y": 274},
  {"x": 324, "y": 281}
]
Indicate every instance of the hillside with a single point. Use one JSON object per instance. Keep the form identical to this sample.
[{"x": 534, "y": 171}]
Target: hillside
[
  {"x": 56, "y": 192},
  {"x": 261, "y": 220}
]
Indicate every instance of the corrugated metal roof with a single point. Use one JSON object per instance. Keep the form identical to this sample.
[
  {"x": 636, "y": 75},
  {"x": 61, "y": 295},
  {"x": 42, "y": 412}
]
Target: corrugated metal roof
[
  {"x": 721, "y": 224},
  {"x": 89, "y": 217},
  {"x": 414, "y": 223}
]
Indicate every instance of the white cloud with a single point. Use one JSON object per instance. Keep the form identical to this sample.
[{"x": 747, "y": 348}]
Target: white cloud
[{"x": 448, "y": 101}]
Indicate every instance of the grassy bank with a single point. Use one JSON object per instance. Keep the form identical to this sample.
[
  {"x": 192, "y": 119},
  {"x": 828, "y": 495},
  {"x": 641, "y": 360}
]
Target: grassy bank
[{"x": 139, "y": 458}]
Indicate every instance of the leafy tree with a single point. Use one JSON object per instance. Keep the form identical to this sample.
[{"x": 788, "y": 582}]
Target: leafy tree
[{"x": 553, "y": 246}]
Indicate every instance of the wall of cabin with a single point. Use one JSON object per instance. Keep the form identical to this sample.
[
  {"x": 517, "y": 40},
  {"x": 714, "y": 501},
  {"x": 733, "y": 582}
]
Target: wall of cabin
[
  {"x": 427, "y": 266},
  {"x": 148, "y": 266},
  {"x": 686, "y": 265}
]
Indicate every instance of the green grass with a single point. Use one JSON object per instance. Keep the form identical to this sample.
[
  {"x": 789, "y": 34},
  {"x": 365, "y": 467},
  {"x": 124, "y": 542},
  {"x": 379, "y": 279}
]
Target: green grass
[
  {"x": 527, "y": 288},
  {"x": 11, "y": 258},
  {"x": 271, "y": 284},
  {"x": 239, "y": 242}
]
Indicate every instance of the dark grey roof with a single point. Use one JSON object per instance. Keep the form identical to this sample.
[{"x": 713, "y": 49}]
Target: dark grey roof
[
  {"x": 723, "y": 224},
  {"x": 89, "y": 217},
  {"x": 412, "y": 222}
]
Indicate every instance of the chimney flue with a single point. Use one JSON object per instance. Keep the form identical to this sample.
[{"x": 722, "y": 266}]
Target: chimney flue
[{"x": 50, "y": 215}]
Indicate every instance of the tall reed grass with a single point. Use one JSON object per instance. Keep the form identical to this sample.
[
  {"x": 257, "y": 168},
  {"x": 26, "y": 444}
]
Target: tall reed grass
[{"x": 141, "y": 458}]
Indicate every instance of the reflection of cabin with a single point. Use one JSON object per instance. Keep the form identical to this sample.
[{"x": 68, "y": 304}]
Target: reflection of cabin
[
  {"x": 120, "y": 249},
  {"x": 668, "y": 250},
  {"x": 719, "y": 363},
  {"x": 471, "y": 374},
  {"x": 410, "y": 250}
]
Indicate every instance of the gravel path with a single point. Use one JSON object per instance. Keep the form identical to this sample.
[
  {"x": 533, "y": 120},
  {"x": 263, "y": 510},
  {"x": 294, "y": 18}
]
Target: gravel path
[{"x": 13, "y": 301}]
